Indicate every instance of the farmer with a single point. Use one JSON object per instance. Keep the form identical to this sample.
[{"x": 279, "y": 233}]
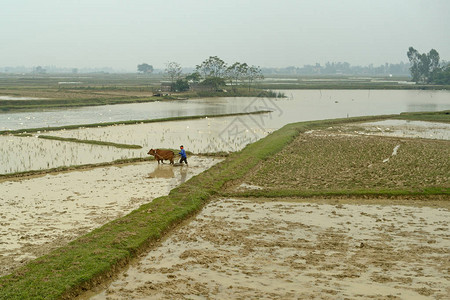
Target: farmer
[{"x": 183, "y": 155}]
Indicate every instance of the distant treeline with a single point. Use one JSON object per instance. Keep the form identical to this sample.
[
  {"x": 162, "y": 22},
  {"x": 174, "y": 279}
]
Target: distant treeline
[
  {"x": 330, "y": 68},
  {"x": 341, "y": 68}
]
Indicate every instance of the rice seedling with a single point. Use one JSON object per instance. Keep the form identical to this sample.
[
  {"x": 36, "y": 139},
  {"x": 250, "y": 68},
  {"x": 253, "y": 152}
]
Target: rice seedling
[{"x": 342, "y": 163}]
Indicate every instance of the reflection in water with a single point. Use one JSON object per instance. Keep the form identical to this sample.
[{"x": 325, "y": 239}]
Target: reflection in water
[
  {"x": 301, "y": 105},
  {"x": 183, "y": 173},
  {"x": 205, "y": 135},
  {"x": 19, "y": 154},
  {"x": 176, "y": 173},
  {"x": 413, "y": 107},
  {"x": 162, "y": 171}
]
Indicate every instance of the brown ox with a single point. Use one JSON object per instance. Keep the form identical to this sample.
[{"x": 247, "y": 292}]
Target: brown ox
[{"x": 161, "y": 155}]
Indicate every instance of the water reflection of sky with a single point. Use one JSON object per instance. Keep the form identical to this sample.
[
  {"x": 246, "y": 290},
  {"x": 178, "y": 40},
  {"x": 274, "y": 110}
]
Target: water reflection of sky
[
  {"x": 200, "y": 135},
  {"x": 301, "y": 105},
  {"x": 206, "y": 135},
  {"x": 18, "y": 154}
]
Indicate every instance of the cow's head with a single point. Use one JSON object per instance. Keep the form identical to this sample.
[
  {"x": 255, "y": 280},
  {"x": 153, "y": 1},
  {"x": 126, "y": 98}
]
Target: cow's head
[{"x": 152, "y": 152}]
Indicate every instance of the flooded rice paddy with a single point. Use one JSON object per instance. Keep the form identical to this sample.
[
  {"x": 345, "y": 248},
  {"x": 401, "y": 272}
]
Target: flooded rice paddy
[
  {"x": 205, "y": 135},
  {"x": 41, "y": 213},
  {"x": 20, "y": 154},
  {"x": 208, "y": 135},
  {"x": 300, "y": 105}
]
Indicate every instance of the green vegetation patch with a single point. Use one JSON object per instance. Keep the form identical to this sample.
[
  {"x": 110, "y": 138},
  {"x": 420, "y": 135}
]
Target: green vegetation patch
[
  {"x": 438, "y": 116},
  {"x": 14, "y": 105},
  {"x": 92, "y": 142},
  {"x": 73, "y": 168}
]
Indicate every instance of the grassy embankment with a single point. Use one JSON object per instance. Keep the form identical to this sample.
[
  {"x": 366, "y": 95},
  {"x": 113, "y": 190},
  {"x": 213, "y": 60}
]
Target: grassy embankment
[
  {"x": 93, "y": 257},
  {"x": 441, "y": 116},
  {"x": 73, "y": 168},
  {"x": 91, "y": 142}
]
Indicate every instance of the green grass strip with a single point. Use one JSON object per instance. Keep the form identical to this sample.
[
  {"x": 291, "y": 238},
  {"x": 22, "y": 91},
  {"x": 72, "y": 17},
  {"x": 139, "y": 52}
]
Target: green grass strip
[
  {"x": 435, "y": 116},
  {"x": 130, "y": 122},
  {"x": 74, "y": 168},
  {"x": 264, "y": 193},
  {"x": 28, "y": 105},
  {"x": 91, "y": 142},
  {"x": 66, "y": 271}
]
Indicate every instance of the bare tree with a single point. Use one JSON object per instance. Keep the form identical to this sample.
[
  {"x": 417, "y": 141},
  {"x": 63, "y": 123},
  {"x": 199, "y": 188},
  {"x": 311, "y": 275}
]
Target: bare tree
[
  {"x": 236, "y": 72},
  {"x": 253, "y": 73},
  {"x": 173, "y": 71}
]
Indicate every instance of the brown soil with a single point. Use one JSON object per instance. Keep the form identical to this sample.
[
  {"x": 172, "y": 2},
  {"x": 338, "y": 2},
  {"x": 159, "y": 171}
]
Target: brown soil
[
  {"x": 41, "y": 213},
  {"x": 332, "y": 161},
  {"x": 320, "y": 249}
]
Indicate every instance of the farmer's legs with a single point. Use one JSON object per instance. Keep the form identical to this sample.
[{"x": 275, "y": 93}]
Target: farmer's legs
[{"x": 183, "y": 159}]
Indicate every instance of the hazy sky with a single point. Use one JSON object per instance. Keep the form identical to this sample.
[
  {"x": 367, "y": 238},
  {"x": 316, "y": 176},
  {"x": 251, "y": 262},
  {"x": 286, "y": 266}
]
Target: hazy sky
[{"x": 268, "y": 33}]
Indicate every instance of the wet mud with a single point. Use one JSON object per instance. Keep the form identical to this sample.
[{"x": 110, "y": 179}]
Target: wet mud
[
  {"x": 322, "y": 249},
  {"x": 41, "y": 213}
]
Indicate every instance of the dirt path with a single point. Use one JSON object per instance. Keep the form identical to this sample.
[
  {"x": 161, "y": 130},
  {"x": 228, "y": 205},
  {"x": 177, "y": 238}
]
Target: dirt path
[
  {"x": 41, "y": 213},
  {"x": 239, "y": 249}
]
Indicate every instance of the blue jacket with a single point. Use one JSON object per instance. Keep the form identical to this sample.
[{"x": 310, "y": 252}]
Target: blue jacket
[{"x": 183, "y": 153}]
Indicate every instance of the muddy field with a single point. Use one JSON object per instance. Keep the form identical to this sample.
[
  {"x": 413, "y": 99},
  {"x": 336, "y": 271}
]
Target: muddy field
[
  {"x": 41, "y": 213},
  {"x": 402, "y": 128},
  {"x": 300, "y": 249},
  {"x": 259, "y": 249},
  {"x": 338, "y": 159},
  {"x": 355, "y": 248}
]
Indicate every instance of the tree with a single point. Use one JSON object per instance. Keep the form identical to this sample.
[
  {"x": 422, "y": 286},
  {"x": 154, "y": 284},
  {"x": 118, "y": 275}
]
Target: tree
[
  {"x": 253, "y": 73},
  {"x": 214, "y": 83},
  {"x": 213, "y": 71},
  {"x": 181, "y": 85},
  {"x": 212, "y": 67},
  {"x": 195, "y": 77},
  {"x": 145, "y": 68},
  {"x": 443, "y": 75},
  {"x": 236, "y": 72},
  {"x": 424, "y": 67},
  {"x": 39, "y": 70},
  {"x": 433, "y": 67},
  {"x": 173, "y": 71}
]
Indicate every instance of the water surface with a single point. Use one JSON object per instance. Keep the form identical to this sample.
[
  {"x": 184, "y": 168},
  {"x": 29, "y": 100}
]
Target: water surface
[{"x": 300, "y": 105}]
